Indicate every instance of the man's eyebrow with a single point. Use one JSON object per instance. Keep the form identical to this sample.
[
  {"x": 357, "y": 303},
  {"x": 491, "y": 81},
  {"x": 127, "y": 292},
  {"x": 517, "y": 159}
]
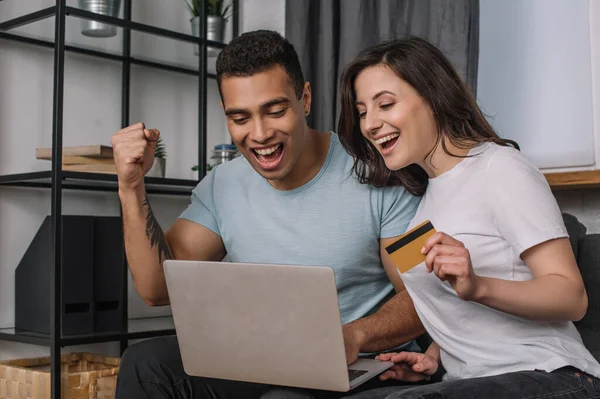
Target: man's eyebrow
[
  {"x": 376, "y": 96},
  {"x": 276, "y": 101},
  {"x": 236, "y": 111}
]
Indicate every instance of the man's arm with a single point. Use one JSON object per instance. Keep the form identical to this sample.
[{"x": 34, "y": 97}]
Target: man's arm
[
  {"x": 394, "y": 324},
  {"x": 147, "y": 246}
]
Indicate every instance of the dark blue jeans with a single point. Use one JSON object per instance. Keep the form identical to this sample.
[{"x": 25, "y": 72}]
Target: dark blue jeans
[
  {"x": 152, "y": 369},
  {"x": 564, "y": 383}
]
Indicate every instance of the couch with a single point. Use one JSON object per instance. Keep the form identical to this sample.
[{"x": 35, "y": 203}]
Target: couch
[{"x": 586, "y": 248}]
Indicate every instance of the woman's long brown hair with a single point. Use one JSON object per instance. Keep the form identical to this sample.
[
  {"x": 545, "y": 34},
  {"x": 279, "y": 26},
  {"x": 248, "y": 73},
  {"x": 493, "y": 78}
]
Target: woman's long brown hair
[{"x": 430, "y": 73}]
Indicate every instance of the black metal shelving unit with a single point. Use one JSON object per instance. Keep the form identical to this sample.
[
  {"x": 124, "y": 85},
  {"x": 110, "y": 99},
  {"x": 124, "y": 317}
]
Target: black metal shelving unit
[{"x": 57, "y": 180}]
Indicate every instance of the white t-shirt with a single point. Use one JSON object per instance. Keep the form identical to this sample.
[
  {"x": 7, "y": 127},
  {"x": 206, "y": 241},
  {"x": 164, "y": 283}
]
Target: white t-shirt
[{"x": 498, "y": 204}]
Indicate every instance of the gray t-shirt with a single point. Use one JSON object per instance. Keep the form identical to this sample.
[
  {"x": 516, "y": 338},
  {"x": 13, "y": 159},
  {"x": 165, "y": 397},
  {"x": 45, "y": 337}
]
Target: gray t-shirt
[
  {"x": 498, "y": 204},
  {"x": 332, "y": 220}
]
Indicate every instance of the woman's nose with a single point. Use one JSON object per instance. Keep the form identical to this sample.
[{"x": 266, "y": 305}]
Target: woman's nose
[{"x": 372, "y": 123}]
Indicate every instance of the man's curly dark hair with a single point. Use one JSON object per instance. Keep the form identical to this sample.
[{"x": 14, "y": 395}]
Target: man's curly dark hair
[{"x": 255, "y": 52}]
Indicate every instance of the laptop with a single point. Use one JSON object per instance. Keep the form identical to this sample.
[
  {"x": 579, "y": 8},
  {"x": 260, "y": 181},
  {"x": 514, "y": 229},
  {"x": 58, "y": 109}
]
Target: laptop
[{"x": 263, "y": 323}]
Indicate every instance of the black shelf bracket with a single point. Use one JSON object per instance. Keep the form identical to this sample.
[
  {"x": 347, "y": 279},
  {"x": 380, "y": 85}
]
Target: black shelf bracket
[
  {"x": 154, "y": 327},
  {"x": 56, "y": 199},
  {"x": 28, "y": 18},
  {"x": 104, "y": 55}
]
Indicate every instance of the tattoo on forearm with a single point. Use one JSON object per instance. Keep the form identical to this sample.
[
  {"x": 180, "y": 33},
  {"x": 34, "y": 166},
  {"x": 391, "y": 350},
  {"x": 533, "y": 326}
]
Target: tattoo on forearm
[{"x": 155, "y": 234}]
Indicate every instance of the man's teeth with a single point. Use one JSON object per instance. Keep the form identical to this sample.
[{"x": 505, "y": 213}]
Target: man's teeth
[
  {"x": 387, "y": 138},
  {"x": 267, "y": 151}
]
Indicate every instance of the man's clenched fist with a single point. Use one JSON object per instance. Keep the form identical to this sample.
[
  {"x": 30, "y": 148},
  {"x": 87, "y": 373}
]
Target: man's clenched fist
[{"x": 133, "y": 150}]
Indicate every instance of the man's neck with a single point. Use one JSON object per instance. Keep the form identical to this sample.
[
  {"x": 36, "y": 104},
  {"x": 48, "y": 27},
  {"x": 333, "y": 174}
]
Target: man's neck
[{"x": 309, "y": 163}]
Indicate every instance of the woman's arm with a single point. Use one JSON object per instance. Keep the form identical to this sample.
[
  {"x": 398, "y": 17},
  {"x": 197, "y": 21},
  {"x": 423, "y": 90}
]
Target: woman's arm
[
  {"x": 434, "y": 352},
  {"x": 556, "y": 293}
]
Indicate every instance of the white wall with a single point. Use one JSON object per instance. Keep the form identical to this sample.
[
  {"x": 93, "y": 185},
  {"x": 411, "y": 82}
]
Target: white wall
[
  {"x": 595, "y": 56},
  {"x": 165, "y": 100},
  {"x": 535, "y": 78},
  {"x": 539, "y": 81},
  {"x": 263, "y": 14}
]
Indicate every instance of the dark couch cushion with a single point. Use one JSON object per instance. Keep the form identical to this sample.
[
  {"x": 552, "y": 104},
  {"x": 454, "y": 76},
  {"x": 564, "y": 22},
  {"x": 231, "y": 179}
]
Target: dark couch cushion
[
  {"x": 576, "y": 231},
  {"x": 589, "y": 265}
]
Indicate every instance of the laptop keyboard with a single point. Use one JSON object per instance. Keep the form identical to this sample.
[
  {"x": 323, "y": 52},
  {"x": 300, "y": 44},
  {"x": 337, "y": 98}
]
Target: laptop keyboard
[{"x": 354, "y": 374}]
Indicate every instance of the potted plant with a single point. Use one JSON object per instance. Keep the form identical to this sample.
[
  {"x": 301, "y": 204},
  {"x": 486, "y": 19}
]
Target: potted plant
[
  {"x": 195, "y": 169},
  {"x": 160, "y": 159},
  {"x": 218, "y": 12},
  {"x": 105, "y": 7}
]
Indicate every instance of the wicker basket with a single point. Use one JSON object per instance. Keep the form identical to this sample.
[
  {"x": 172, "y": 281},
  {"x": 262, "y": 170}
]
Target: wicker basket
[{"x": 83, "y": 376}]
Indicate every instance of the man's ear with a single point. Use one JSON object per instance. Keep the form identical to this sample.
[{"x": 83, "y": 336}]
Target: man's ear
[{"x": 306, "y": 98}]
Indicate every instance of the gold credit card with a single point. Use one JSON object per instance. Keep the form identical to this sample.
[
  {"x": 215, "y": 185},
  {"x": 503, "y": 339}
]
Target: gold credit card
[{"x": 406, "y": 250}]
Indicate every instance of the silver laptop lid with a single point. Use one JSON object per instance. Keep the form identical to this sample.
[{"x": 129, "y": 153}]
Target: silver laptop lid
[{"x": 272, "y": 324}]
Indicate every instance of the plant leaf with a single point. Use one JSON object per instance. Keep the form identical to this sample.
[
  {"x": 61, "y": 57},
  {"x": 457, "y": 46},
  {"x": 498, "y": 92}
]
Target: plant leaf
[
  {"x": 225, "y": 11},
  {"x": 189, "y": 6}
]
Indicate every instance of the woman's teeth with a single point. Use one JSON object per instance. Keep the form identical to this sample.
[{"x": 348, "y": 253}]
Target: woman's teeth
[{"x": 387, "y": 138}]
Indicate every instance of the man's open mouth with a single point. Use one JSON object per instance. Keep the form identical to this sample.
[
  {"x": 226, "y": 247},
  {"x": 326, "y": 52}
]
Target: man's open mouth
[{"x": 269, "y": 157}]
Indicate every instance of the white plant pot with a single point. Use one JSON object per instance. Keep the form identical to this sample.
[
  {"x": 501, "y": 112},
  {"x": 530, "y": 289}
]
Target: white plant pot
[
  {"x": 105, "y": 7},
  {"x": 215, "y": 31},
  {"x": 158, "y": 168}
]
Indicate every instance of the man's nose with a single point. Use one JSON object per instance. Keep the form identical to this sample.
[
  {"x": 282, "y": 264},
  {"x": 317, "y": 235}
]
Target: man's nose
[{"x": 261, "y": 133}]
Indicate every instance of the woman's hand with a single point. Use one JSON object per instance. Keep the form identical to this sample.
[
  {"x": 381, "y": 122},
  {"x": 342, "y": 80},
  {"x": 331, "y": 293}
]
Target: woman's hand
[
  {"x": 450, "y": 261},
  {"x": 410, "y": 366},
  {"x": 552, "y": 264}
]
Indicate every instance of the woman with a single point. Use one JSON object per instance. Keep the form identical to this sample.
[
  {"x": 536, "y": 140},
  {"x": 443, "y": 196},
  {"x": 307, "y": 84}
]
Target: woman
[{"x": 500, "y": 286}]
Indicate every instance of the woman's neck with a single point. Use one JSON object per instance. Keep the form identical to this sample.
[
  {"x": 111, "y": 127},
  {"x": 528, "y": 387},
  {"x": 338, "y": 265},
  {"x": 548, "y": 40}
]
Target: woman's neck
[{"x": 439, "y": 162}]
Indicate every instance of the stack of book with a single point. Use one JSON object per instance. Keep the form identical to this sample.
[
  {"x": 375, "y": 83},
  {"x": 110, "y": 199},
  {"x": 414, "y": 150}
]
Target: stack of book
[{"x": 89, "y": 158}]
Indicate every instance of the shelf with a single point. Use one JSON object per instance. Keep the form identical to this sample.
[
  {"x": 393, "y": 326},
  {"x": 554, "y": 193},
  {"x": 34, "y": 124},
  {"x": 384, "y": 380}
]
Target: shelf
[
  {"x": 137, "y": 329},
  {"x": 180, "y": 68},
  {"x": 574, "y": 180},
  {"x": 137, "y": 44},
  {"x": 170, "y": 50},
  {"x": 134, "y": 26},
  {"x": 96, "y": 182}
]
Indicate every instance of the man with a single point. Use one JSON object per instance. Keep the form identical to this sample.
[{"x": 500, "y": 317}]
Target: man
[{"x": 291, "y": 198}]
